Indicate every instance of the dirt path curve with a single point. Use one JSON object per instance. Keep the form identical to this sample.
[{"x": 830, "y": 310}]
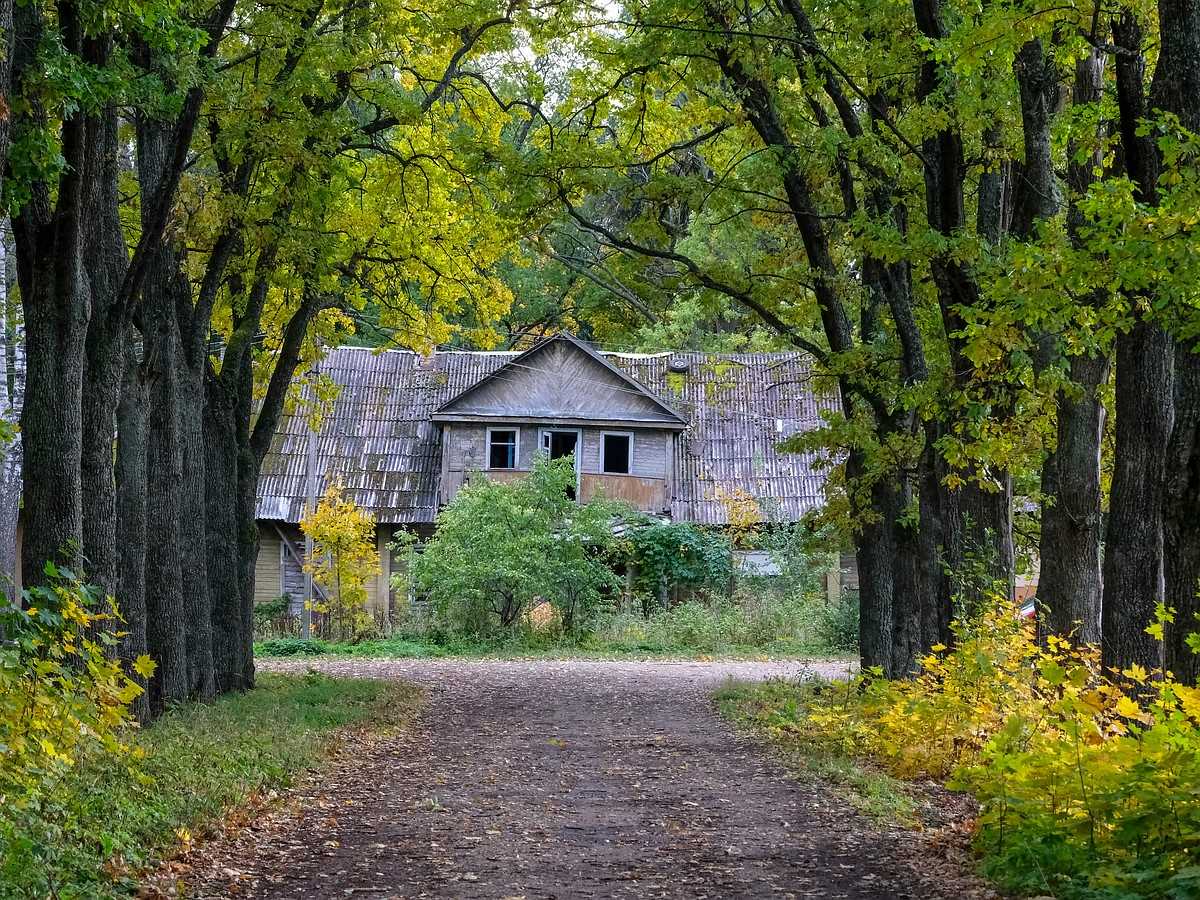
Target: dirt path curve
[{"x": 533, "y": 779}]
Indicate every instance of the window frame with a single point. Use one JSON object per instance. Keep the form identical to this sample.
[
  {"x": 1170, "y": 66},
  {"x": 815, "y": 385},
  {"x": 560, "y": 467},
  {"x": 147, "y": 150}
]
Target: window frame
[
  {"x": 629, "y": 456},
  {"x": 516, "y": 445}
]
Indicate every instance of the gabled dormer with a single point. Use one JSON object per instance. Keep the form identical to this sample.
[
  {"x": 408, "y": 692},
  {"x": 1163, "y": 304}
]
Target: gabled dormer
[
  {"x": 562, "y": 381},
  {"x": 562, "y": 398}
]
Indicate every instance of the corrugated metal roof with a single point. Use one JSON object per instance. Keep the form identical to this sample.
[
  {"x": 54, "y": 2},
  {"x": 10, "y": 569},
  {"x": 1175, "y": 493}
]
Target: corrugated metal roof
[{"x": 379, "y": 439}]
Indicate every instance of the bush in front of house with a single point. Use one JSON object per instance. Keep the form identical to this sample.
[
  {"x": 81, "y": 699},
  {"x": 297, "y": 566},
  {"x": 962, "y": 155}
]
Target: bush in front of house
[
  {"x": 520, "y": 567},
  {"x": 502, "y": 549}
]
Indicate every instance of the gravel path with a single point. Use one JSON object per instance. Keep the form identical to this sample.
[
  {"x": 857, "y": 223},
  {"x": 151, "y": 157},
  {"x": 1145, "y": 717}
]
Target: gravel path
[{"x": 533, "y": 779}]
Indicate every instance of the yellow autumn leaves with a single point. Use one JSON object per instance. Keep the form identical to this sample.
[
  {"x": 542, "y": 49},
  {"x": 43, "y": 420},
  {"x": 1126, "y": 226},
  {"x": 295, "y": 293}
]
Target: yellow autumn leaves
[
  {"x": 343, "y": 561},
  {"x": 1082, "y": 775},
  {"x": 64, "y": 694}
]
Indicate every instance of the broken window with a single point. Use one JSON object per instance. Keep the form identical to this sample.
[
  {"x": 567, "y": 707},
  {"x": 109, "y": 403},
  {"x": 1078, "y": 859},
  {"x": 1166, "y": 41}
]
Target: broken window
[
  {"x": 615, "y": 453},
  {"x": 502, "y": 448}
]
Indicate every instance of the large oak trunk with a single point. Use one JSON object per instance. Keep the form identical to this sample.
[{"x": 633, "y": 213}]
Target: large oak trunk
[
  {"x": 222, "y": 534},
  {"x": 1176, "y": 89},
  {"x": 131, "y": 513},
  {"x": 193, "y": 554},
  {"x": 1133, "y": 561},
  {"x": 1181, "y": 519},
  {"x": 1070, "y": 586},
  {"x": 105, "y": 361}
]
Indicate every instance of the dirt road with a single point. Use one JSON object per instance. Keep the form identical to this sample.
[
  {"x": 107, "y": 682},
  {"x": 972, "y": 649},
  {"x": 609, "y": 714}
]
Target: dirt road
[{"x": 567, "y": 779}]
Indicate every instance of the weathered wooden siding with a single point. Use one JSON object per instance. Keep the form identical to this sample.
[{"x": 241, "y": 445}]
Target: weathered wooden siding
[
  {"x": 646, "y": 486},
  {"x": 647, "y": 494},
  {"x": 560, "y": 380},
  {"x": 293, "y": 568},
  {"x": 651, "y": 451},
  {"x": 268, "y": 566}
]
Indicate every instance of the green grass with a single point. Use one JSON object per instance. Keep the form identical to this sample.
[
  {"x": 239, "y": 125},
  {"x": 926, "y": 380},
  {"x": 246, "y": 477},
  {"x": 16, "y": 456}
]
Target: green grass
[
  {"x": 201, "y": 761},
  {"x": 520, "y": 648},
  {"x": 773, "y": 709}
]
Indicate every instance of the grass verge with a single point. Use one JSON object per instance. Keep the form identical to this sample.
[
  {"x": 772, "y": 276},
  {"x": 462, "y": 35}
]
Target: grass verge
[
  {"x": 202, "y": 761},
  {"x": 773, "y": 709},
  {"x": 413, "y": 648}
]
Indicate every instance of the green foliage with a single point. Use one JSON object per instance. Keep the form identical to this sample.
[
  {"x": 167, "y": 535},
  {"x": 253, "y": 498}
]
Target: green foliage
[
  {"x": 198, "y": 762},
  {"x": 1088, "y": 781},
  {"x": 291, "y": 646},
  {"x": 272, "y": 617},
  {"x": 500, "y": 548},
  {"x": 64, "y": 707},
  {"x": 748, "y": 623},
  {"x": 679, "y": 554}
]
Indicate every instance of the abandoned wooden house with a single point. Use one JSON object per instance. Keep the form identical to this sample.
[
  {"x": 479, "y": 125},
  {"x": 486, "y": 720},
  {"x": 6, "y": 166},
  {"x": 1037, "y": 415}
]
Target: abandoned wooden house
[{"x": 672, "y": 433}]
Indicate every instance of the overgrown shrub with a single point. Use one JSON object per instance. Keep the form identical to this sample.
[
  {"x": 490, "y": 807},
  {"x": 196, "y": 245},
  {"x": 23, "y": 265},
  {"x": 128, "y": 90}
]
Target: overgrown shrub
[
  {"x": 273, "y": 618},
  {"x": 1088, "y": 781},
  {"x": 838, "y": 623},
  {"x": 668, "y": 556},
  {"x": 64, "y": 703},
  {"x": 501, "y": 547}
]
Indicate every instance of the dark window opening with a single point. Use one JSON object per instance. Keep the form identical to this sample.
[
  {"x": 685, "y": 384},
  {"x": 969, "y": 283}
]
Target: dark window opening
[
  {"x": 558, "y": 444},
  {"x": 502, "y": 449},
  {"x": 615, "y": 458}
]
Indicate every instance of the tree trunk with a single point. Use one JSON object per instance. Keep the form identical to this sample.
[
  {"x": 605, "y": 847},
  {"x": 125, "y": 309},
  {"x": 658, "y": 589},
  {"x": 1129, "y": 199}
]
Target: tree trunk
[
  {"x": 875, "y": 552},
  {"x": 131, "y": 513},
  {"x": 1070, "y": 586},
  {"x": 937, "y": 607},
  {"x": 1176, "y": 89},
  {"x": 247, "y": 533},
  {"x": 193, "y": 561},
  {"x": 222, "y": 534},
  {"x": 908, "y": 586},
  {"x": 1133, "y": 561},
  {"x": 105, "y": 362},
  {"x": 1181, "y": 520},
  {"x": 167, "y": 629},
  {"x": 167, "y": 626}
]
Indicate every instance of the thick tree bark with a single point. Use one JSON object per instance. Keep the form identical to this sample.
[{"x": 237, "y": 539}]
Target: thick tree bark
[
  {"x": 976, "y": 519},
  {"x": 167, "y": 625},
  {"x": 875, "y": 552},
  {"x": 167, "y": 629},
  {"x": 937, "y": 610},
  {"x": 1181, "y": 520},
  {"x": 222, "y": 535},
  {"x": 105, "y": 362},
  {"x": 49, "y": 243},
  {"x": 1176, "y": 89},
  {"x": 1070, "y": 584},
  {"x": 1133, "y": 561},
  {"x": 193, "y": 552},
  {"x": 131, "y": 512}
]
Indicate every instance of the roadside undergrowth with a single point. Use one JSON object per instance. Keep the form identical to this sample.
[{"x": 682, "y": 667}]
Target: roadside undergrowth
[
  {"x": 1087, "y": 781},
  {"x": 773, "y": 708},
  {"x": 206, "y": 768}
]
